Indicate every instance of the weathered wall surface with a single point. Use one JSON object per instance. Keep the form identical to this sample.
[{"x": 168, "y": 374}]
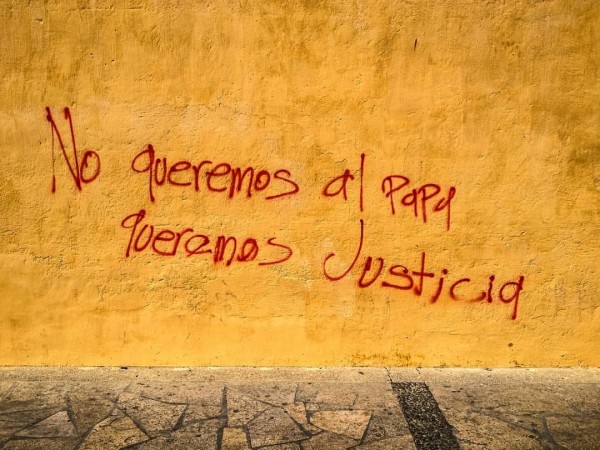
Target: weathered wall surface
[{"x": 420, "y": 182}]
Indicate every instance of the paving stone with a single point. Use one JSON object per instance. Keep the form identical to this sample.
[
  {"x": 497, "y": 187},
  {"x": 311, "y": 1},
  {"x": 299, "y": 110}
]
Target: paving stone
[
  {"x": 195, "y": 413},
  {"x": 89, "y": 408},
  {"x": 26, "y": 395},
  {"x": 197, "y": 436},
  {"x": 504, "y": 413},
  {"x": 527, "y": 422},
  {"x": 234, "y": 439},
  {"x": 15, "y": 421},
  {"x": 184, "y": 392},
  {"x": 334, "y": 395},
  {"x": 475, "y": 430},
  {"x": 581, "y": 397},
  {"x": 348, "y": 423},
  {"x": 5, "y": 387},
  {"x": 580, "y": 433},
  {"x": 503, "y": 398},
  {"x": 274, "y": 426},
  {"x": 327, "y": 395},
  {"x": 44, "y": 443},
  {"x": 297, "y": 411},
  {"x": 386, "y": 426},
  {"x": 395, "y": 443},
  {"x": 242, "y": 409},
  {"x": 291, "y": 446},
  {"x": 155, "y": 417},
  {"x": 329, "y": 441},
  {"x": 115, "y": 431},
  {"x": 307, "y": 392},
  {"x": 109, "y": 389},
  {"x": 57, "y": 425},
  {"x": 374, "y": 396},
  {"x": 275, "y": 394}
]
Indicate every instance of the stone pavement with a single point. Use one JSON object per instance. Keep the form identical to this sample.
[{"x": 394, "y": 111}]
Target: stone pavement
[{"x": 293, "y": 409}]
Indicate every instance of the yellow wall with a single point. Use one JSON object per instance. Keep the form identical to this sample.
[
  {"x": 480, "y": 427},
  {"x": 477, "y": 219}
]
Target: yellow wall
[{"x": 497, "y": 103}]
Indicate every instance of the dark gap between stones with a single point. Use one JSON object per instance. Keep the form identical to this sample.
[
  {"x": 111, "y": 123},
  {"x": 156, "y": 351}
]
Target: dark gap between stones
[{"x": 426, "y": 422}]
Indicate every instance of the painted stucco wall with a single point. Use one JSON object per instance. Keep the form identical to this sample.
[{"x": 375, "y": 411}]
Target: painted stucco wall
[{"x": 418, "y": 182}]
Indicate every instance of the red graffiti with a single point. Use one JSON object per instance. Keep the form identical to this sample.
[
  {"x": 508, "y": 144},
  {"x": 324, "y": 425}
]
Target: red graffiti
[
  {"x": 425, "y": 199},
  {"x": 82, "y": 172},
  {"x": 339, "y": 185},
  {"x": 188, "y": 242},
  {"x": 221, "y": 177},
  {"x": 415, "y": 281}
]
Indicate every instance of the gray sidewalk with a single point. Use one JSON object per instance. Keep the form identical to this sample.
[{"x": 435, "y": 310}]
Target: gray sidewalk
[{"x": 292, "y": 409}]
